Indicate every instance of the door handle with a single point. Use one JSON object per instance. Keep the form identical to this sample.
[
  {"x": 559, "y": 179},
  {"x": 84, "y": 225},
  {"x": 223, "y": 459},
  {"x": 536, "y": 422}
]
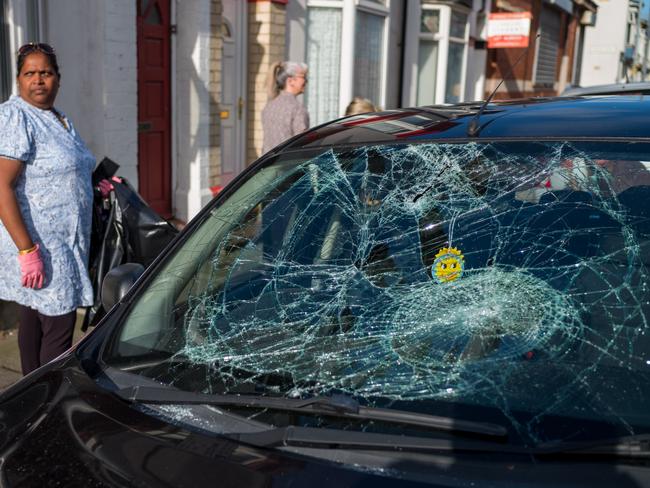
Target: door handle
[
  {"x": 240, "y": 107},
  {"x": 144, "y": 126}
]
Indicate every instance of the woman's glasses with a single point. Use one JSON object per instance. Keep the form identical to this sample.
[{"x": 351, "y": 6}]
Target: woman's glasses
[{"x": 31, "y": 47}]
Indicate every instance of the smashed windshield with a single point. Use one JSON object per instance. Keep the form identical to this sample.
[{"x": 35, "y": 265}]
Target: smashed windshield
[{"x": 507, "y": 276}]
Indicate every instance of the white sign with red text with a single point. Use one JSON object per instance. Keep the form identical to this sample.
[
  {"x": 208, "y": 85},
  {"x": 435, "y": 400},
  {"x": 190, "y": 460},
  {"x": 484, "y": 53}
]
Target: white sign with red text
[{"x": 508, "y": 29}]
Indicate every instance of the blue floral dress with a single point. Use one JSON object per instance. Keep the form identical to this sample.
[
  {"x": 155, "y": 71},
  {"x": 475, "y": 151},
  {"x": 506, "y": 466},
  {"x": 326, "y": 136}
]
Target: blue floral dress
[{"x": 55, "y": 196}]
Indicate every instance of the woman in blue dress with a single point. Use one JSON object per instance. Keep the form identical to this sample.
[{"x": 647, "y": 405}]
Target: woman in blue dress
[{"x": 45, "y": 210}]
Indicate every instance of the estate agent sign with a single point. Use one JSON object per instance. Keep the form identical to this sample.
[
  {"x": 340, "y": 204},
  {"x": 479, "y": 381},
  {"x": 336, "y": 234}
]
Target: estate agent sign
[{"x": 508, "y": 29}]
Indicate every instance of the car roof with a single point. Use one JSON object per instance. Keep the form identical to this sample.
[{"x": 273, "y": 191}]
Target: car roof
[
  {"x": 641, "y": 87},
  {"x": 626, "y": 117}
]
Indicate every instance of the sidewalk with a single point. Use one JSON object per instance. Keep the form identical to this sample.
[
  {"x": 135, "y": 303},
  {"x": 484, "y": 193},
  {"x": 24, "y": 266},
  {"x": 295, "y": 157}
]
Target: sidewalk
[
  {"x": 10, "y": 371},
  {"x": 9, "y": 356},
  {"x": 8, "y": 378}
]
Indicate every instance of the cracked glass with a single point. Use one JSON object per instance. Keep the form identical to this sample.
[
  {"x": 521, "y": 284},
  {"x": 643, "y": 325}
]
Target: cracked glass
[{"x": 489, "y": 281}]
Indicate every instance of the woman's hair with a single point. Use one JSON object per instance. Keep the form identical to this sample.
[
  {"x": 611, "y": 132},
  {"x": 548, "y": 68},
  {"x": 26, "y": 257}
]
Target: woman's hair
[
  {"x": 31, "y": 48},
  {"x": 279, "y": 74},
  {"x": 360, "y": 105}
]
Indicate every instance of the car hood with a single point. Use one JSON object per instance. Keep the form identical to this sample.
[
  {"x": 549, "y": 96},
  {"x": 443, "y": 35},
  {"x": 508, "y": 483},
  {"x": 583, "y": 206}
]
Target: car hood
[
  {"x": 58, "y": 425},
  {"x": 60, "y": 428}
]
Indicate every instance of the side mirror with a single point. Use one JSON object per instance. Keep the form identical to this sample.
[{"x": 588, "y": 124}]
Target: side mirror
[{"x": 118, "y": 281}]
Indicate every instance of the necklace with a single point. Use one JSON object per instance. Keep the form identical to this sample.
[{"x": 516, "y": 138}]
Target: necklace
[{"x": 59, "y": 117}]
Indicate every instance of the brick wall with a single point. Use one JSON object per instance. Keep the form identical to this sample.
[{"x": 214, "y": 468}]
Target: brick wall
[
  {"x": 214, "y": 89},
  {"x": 520, "y": 82},
  {"x": 266, "y": 45},
  {"x": 500, "y": 61}
]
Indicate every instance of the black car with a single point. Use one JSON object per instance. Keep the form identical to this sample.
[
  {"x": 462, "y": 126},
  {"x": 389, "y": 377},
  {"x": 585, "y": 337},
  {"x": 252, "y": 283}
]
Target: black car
[{"x": 442, "y": 296}]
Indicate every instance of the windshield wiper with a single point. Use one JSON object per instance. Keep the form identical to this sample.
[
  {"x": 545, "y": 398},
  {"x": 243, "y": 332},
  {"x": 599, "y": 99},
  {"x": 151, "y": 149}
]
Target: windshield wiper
[
  {"x": 336, "y": 405},
  {"x": 294, "y": 436}
]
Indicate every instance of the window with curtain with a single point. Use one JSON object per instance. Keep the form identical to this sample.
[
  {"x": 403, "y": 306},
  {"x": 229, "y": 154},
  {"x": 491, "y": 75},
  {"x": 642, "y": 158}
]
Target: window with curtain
[
  {"x": 428, "y": 57},
  {"x": 456, "y": 56},
  {"x": 458, "y": 26},
  {"x": 5, "y": 55},
  {"x": 369, "y": 46},
  {"x": 453, "y": 85},
  {"x": 427, "y": 72},
  {"x": 324, "y": 62}
]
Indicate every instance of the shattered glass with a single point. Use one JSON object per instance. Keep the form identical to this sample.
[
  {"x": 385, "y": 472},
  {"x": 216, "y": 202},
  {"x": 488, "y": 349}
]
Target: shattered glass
[{"x": 510, "y": 276}]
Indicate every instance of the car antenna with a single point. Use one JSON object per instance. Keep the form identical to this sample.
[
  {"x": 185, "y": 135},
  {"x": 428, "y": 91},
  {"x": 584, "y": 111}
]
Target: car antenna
[{"x": 473, "y": 127}]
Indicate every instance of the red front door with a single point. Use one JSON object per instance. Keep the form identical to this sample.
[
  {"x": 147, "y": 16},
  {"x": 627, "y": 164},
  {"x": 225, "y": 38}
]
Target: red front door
[{"x": 154, "y": 104}]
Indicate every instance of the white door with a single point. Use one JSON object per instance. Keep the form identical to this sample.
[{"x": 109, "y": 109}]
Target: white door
[{"x": 233, "y": 90}]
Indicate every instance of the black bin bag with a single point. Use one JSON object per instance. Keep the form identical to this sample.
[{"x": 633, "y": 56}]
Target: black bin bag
[{"x": 124, "y": 230}]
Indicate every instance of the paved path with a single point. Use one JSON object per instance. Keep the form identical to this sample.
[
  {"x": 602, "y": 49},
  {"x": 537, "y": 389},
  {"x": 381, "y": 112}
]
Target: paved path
[
  {"x": 8, "y": 377},
  {"x": 9, "y": 355}
]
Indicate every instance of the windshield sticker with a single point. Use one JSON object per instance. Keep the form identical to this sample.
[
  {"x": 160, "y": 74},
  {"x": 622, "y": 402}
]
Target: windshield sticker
[{"x": 449, "y": 265}]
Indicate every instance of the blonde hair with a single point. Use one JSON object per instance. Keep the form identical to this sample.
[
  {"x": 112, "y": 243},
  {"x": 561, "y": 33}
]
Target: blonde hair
[
  {"x": 280, "y": 72},
  {"x": 360, "y": 105}
]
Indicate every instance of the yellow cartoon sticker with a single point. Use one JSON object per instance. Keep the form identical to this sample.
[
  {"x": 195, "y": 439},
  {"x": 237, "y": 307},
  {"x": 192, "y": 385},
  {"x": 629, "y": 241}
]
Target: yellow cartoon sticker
[{"x": 448, "y": 265}]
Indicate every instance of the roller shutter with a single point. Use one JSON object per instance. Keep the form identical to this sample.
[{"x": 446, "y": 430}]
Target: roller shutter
[{"x": 546, "y": 65}]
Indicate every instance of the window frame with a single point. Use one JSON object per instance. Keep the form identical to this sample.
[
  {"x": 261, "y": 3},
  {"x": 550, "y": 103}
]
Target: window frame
[
  {"x": 5, "y": 53},
  {"x": 428, "y": 37},
  {"x": 331, "y": 100},
  {"x": 464, "y": 41},
  {"x": 349, "y": 10},
  {"x": 25, "y": 21},
  {"x": 444, "y": 39},
  {"x": 380, "y": 11}
]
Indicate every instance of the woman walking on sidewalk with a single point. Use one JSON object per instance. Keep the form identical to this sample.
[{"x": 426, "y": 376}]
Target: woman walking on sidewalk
[
  {"x": 45, "y": 210},
  {"x": 284, "y": 116}
]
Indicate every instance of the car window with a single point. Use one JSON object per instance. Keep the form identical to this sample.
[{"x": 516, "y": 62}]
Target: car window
[{"x": 503, "y": 276}]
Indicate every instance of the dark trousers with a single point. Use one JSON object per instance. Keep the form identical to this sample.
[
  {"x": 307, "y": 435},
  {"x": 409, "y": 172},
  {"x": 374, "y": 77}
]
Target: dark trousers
[{"x": 41, "y": 338}]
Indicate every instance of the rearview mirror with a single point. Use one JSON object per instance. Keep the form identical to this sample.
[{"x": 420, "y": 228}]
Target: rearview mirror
[{"x": 118, "y": 281}]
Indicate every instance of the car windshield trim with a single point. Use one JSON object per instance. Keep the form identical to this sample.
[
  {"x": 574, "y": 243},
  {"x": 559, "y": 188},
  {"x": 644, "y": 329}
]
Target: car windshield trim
[
  {"x": 311, "y": 150},
  {"x": 336, "y": 405}
]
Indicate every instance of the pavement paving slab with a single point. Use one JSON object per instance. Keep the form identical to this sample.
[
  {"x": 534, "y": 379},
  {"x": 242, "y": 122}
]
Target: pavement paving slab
[
  {"x": 8, "y": 378},
  {"x": 9, "y": 354}
]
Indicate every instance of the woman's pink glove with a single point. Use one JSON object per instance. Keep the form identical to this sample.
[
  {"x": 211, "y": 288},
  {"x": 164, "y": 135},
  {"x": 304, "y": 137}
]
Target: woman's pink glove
[
  {"x": 31, "y": 268},
  {"x": 106, "y": 187}
]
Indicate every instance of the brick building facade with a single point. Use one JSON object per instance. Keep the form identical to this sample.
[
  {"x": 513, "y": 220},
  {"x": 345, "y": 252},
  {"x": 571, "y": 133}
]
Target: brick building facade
[
  {"x": 549, "y": 64},
  {"x": 266, "y": 45},
  {"x": 395, "y": 52}
]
